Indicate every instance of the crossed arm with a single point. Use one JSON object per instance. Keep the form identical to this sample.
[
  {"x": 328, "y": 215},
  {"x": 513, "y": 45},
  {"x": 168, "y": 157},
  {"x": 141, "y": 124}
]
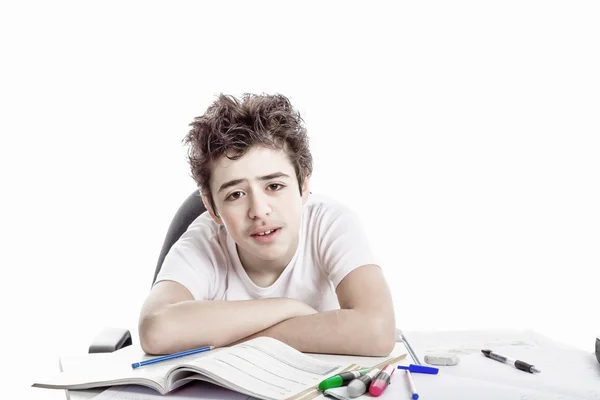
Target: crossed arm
[{"x": 171, "y": 320}]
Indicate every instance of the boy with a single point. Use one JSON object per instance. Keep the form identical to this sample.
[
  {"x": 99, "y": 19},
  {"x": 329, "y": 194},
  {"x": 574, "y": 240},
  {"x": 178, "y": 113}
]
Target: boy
[{"x": 265, "y": 260}]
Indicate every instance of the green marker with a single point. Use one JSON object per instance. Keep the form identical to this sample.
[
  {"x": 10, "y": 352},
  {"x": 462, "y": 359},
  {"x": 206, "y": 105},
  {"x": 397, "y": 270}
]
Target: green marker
[{"x": 342, "y": 379}]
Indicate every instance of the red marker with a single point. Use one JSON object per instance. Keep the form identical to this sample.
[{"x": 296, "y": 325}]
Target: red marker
[{"x": 381, "y": 381}]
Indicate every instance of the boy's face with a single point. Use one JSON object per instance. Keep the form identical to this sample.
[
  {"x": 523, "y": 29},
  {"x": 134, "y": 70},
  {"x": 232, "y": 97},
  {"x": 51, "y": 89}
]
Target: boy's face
[{"x": 255, "y": 194}]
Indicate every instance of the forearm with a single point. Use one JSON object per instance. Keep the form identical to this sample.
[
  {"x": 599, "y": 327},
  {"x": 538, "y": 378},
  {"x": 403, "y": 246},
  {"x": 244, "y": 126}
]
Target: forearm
[
  {"x": 344, "y": 331},
  {"x": 191, "y": 324}
]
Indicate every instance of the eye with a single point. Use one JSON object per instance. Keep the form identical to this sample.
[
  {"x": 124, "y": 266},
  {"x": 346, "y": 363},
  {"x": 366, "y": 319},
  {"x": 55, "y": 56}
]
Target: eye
[
  {"x": 234, "y": 196},
  {"x": 275, "y": 186}
]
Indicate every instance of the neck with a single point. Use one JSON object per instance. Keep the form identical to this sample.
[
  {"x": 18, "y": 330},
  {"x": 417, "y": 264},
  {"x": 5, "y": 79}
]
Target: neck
[{"x": 265, "y": 272}]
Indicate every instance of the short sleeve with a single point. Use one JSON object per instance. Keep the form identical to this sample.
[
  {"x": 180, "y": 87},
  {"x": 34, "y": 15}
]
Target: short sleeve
[
  {"x": 343, "y": 245},
  {"x": 193, "y": 261}
]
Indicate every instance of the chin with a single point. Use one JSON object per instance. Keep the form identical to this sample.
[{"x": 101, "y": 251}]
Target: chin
[{"x": 270, "y": 256}]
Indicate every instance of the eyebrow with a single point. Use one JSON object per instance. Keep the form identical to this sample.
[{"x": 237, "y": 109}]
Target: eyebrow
[{"x": 234, "y": 182}]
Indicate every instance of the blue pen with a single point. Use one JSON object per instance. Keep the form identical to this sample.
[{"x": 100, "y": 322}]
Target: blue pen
[
  {"x": 171, "y": 356},
  {"x": 411, "y": 384}
]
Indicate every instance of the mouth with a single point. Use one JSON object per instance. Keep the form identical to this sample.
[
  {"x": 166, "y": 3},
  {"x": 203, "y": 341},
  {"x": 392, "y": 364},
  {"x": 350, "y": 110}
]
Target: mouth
[
  {"x": 265, "y": 232},
  {"x": 266, "y": 236}
]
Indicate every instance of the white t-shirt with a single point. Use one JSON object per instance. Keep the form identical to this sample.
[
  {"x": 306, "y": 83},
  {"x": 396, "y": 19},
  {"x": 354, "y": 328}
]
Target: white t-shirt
[{"x": 332, "y": 243}]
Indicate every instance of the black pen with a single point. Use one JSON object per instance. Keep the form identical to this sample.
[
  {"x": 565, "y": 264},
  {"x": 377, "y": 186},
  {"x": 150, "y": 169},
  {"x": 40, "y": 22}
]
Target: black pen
[{"x": 522, "y": 365}]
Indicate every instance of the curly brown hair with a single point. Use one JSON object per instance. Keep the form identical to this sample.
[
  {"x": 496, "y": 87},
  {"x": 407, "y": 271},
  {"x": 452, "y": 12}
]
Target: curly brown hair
[{"x": 231, "y": 126}]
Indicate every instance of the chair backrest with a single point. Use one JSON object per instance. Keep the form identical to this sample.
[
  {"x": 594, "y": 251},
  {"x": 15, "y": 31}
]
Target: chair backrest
[{"x": 191, "y": 208}]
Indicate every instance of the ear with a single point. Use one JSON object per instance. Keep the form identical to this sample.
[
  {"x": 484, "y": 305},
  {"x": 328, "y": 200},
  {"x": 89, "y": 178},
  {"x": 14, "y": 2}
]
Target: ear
[
  {"x": 211, "y": 212},
  {"x": 305, "y": 188}
]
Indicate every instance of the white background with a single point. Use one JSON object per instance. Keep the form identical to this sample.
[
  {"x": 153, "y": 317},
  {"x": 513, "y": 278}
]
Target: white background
[{"x": 465, "y": 134}]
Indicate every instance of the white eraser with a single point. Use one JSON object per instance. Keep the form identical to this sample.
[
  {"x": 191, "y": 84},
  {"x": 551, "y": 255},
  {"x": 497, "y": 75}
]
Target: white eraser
[{"x": 442, "y": 359}]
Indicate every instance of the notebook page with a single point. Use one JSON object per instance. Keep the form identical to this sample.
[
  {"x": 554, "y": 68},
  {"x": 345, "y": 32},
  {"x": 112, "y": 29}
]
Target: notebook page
[
  {"x": 366, "y": 362},
  {"x": 194, "y": 390},
  {"x": 266, "y": 368},
  {"x": 113, "y": 368}
]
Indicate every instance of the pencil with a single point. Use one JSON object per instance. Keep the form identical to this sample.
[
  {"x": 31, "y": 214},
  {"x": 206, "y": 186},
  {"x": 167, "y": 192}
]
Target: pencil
[{"x": 172, "y": 356}]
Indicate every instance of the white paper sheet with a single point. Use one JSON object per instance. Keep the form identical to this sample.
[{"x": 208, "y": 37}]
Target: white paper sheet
[{"x": 565, "y": 372}]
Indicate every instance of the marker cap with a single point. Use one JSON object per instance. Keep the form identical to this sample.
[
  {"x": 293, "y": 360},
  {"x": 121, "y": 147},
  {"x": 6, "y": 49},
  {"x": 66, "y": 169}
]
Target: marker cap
[
  {"x": 421, "y": 369},
  {"x": 377, "y": 387},
  {"x": 333, "y": 382}
]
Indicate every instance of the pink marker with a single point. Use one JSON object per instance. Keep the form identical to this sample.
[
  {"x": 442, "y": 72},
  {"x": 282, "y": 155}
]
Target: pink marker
[{"x": 381, "y": 381}]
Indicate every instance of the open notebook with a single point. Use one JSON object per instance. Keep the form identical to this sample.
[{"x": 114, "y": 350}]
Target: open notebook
[
  {"x": 263, "y": 368},
  {"x": 206, "y": 391}
]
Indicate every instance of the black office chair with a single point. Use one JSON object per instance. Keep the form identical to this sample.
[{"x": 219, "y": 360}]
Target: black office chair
[
  {"x": 111, "y": 339},
  {"x": 191, "y": 208}
]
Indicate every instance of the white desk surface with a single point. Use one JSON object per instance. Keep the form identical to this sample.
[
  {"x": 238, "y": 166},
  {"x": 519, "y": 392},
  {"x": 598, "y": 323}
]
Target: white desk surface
[{"x": 456, "y": 383}]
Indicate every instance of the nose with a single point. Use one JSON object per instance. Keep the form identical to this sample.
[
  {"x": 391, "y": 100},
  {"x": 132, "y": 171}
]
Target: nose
[{"x": 259, "y": 206}]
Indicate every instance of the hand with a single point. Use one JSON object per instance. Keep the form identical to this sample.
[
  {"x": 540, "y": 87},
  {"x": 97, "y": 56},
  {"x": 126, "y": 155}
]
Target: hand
[
  {"x": 302, "y": 308},
  {"x": 297, "y": 309}
]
